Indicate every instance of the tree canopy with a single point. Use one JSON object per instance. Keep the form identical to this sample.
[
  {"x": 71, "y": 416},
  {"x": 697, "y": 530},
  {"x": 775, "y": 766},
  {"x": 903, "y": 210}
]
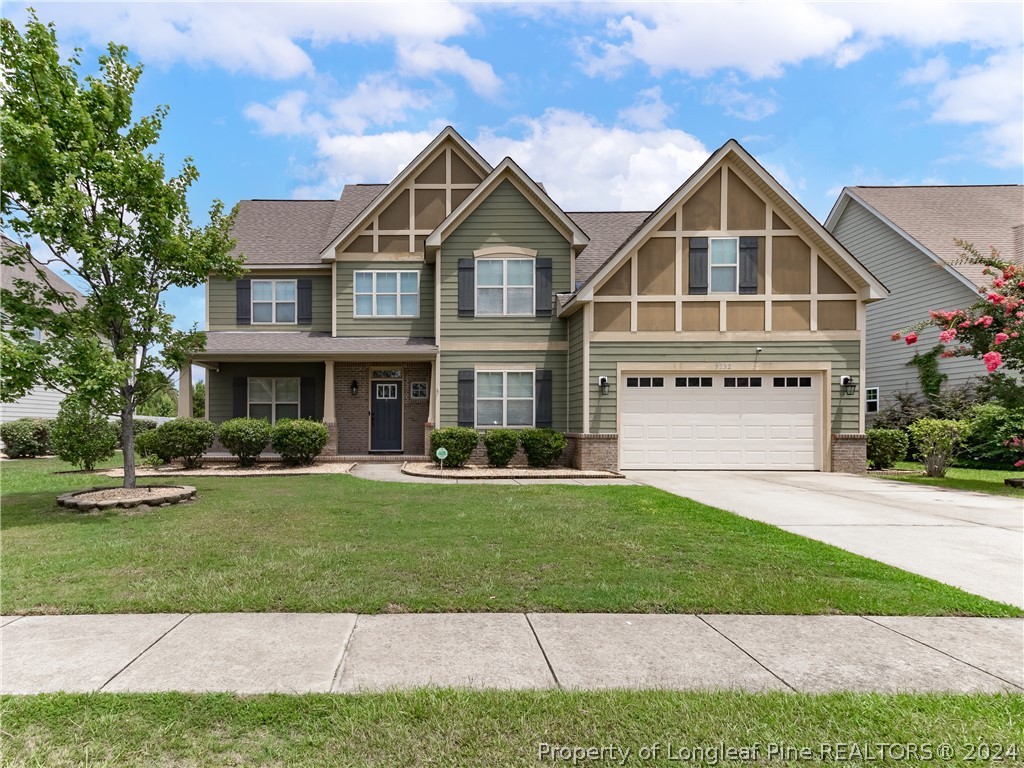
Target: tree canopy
[{"x": 81, "y": 175}]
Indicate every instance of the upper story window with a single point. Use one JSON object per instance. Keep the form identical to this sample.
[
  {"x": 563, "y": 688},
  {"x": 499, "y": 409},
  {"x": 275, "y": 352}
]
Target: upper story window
[
  {"x": 273, "y": 301},
  {"x": 387, "y": 294},
  {"x": 504, "y": 287},
  {"x": 725, "y": 263}
]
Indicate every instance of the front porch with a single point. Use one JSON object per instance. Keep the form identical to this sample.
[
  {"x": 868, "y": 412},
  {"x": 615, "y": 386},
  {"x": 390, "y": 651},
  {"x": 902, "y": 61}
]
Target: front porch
[{"x": 375, "y": 406}]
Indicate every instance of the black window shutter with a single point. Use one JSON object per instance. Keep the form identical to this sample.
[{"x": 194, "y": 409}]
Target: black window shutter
[
  {"x": 243, "y": 303},
  {"x": 698, "y": 265},
  {"x": 304, "y": 310},
  {"x": 542, "y": 383},
  {"x": 307, "y": 397},
  {"x": 239, "y": 397},
  {"x": 466, "y": 288},
  {"x": 542, "y": 292},
  {"x": 748, "y": 264},
  {"x": 467, "y": 404}
]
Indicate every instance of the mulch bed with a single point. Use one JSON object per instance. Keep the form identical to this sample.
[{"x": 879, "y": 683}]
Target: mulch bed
[
  {"x": 231, "y": 470},
  {"x": 429, "y": 469}
]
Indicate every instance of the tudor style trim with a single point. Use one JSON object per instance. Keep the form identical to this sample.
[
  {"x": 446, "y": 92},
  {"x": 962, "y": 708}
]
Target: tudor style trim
[
  {"x": 508, "y": 170},
  {"x": 875, "y": 289},
  {"x": 449, "y": 133}
]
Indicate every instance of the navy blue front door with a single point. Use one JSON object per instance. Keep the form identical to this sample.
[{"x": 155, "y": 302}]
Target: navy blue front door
[{"x": 386, "y": 416}]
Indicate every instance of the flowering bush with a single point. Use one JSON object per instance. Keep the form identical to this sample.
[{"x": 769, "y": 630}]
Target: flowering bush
[{"x": 993, "y": 328}]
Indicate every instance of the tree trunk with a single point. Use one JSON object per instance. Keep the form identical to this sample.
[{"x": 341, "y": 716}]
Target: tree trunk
[{"x": 128, "y": 444}]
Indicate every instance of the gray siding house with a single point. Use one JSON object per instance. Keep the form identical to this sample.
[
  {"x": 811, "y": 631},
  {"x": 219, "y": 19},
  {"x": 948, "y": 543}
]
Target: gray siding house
[
  {"x": 723, "y": 330},
  {"x": 40, "y": 403},
  {"x": 906, "y": 237}
]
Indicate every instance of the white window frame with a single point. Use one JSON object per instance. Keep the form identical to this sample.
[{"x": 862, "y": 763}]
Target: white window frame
[
  {"x": 504, "y": 400},
  {"x": 868, "y": 400},
  {"x": 735, "y": 267},
  {"x": 274, "y": 402},
  {"x": 273, "y": 303},
  {"x": 419, "y": 390},
  {"x": 399, "y": 293},
  {"x": 504, "y": 287}
]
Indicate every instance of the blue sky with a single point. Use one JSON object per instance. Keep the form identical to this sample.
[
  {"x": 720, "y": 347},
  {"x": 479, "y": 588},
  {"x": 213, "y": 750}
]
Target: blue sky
[{"x": 610, "y": 105}]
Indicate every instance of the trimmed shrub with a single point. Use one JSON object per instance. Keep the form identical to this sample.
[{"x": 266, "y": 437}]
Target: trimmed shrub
[
  {"x": 186, "y": 439},
  {"x": 299, "y": 441},
  {"x": 501, "y": 445},
  {"x": 938, "y": 441},
  {"x": 458, "y": 441},
  {"x": 245, "y": 439},
  {"x": 988, "y": 446},
  {"x": 151, "y": 446},
  {"x": 81, "y": 435},
  {"x": 886, "y": 447},
  {"x": 542, "y": 446},
  {"x": 25, "y": 438}
]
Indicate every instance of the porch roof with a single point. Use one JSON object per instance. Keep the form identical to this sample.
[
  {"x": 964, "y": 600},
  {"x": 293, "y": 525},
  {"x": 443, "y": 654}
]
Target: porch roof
[{"x": 225, "y": 344}]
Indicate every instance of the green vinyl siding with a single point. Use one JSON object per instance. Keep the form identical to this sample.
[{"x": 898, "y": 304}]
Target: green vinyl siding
[
  {"x": 422, "y": 326},
  {"x": 453, "y": 362},
  {"x": 506, "y": 217},
  {"x": 219, "y": 384},
  {"x": 222, "y": 304},
  {"x": 574, "y": 373},
  {"x": 843, "y": 355}
]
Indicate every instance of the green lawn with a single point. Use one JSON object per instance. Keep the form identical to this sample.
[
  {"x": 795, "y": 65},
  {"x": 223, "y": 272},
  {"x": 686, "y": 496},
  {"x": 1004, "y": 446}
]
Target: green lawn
[
  {"x": 979, "y": 480},
  {"x": 445, "y": 728},
  {"x": 338, "y": 543}
]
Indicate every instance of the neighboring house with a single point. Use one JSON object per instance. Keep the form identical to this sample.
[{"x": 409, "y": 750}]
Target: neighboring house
[
  {"x": 714, "y": 332},
  {"x": 40, "y": 403},
  {"x": 906, "y": 236}
]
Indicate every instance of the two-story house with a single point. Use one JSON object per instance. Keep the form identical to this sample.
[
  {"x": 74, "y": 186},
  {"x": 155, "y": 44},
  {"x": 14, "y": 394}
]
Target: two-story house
[
  {"x": 907, "y": 236},
  {"x": 723, "y": 330}
]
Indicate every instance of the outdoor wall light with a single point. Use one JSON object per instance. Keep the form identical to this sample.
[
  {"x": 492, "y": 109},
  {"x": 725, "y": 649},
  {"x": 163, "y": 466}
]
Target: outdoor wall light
[
  {"x": 848, "y": 384},
  {"x": 355, "y": 387},
  {"x": 602, "y": 384}
]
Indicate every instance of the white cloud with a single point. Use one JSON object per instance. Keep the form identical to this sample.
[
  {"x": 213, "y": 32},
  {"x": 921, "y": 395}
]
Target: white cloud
[
  {"x": 258, "y": 38},
  {"x": 931, "y": 71},
  {"x": 649, "y": 111},
  {"x": 285, "y": 117},
  {"x": 425, "y": 58},
  {"x": 739, "y": 103}
]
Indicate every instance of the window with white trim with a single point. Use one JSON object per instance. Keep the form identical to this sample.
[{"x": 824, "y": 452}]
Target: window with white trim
[
  {"x": 274, "y": 301},
  {"x": 387, "y": 294},
  {"x": 791, "y": 381},
  {"x": 419, "y": 391},
  {"x": 871, "y": 399},
  {"x": 504, "y": 399},
  {"x": 742, "y": 381},
  {"x": 724, "y": 260},
  {"x": 504, "y": 287},
  {"x": 273, "y": 399},
  {"x": 633, "y": 382},
  {"x": 693, "y": 381}
]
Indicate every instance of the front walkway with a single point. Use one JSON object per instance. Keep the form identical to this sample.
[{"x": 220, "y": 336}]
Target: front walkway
[
  {"x": 973, "y": 541},
  {"x": 299, "y": 653}
]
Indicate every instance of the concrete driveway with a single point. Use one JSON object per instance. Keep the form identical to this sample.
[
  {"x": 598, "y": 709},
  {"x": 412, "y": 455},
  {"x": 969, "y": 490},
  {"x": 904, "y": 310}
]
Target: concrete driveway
[{"x": 970, "y": 540}]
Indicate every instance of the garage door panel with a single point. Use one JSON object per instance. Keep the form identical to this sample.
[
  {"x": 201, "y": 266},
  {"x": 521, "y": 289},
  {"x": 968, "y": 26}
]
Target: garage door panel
[{"x": 720, "y": 427}]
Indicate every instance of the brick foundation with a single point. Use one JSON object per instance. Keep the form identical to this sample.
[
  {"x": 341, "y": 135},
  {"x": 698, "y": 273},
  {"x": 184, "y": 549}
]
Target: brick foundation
[
  {"x": 593, "y": 451},
  {"x": 850, "y": 454}
]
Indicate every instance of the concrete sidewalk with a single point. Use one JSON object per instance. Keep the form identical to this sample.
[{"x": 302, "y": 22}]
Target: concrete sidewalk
[{"x": 299, "y": 653}]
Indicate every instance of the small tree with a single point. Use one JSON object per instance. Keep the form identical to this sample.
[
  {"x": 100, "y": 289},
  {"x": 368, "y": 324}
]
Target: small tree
[
  {"x": 80, "y": 175},
  {"x": 938, "y": 442},
  {"x": 82, "y": 435},
  {"x": 199, "y": 400}
]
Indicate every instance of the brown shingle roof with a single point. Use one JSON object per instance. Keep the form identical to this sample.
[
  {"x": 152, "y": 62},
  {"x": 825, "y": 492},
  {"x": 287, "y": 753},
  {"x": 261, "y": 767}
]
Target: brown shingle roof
[
  {"x": 354, "y": 200},
  {"x": 306, "y": 342},
  {"x": 9, "y": 274},
  {"x": 935, "y": 216},
  {"x": 607, "y": 231}
]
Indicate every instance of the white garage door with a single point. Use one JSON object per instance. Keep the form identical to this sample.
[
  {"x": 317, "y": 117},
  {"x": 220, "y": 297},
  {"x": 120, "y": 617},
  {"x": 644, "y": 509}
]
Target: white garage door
[{"x": 719, "y": 421}]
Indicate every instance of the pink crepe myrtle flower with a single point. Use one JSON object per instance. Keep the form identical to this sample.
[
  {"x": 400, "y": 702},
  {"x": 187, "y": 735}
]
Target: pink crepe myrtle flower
[
  {"x": 947, "y": 335},
  {"x": 948, "y": 353},
  {"x": 996, "y": 298},
  {"x": 992, "y": 360},
  {"x": 999, "y": 282},
  {"x": 911, "y": 338},
  {"x": 896, "y": 336},
  {"x": 984, "y": 320},
  {"x": 1001, "y": 337}
]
